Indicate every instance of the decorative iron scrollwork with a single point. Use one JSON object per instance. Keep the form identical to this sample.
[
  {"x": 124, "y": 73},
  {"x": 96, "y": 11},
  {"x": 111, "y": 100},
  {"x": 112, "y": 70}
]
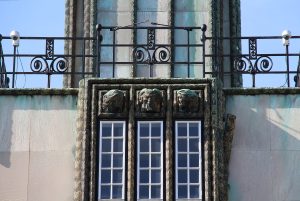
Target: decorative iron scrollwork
[
  {"x": 57, "y": 64},
  {"x": 40, "y": 64},
  {"x": 261, "y": 64},
  {"x": 151, "y": 53},
  {"x": 252, "y": 48}
]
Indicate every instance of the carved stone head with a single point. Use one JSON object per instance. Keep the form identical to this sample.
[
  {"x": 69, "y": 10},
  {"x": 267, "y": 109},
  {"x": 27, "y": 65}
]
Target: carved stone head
[
  {"x": 187, "y": 101},
  {"x": 150, "y": 100},
  {"x": 113, "y": 101}
]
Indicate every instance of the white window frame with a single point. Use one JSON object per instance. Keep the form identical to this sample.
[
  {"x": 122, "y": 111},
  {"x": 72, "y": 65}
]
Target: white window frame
[
  {"x": 188, "y": 184},
  {"x": 111, "y": 168},
  {"x": 150, "y": 168}
]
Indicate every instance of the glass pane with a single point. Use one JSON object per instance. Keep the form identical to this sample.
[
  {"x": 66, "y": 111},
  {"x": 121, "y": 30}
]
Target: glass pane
[
  {"x": 144, "y": 160},
  {"x": 194, "y": 129},
  {"x": 106, "y": 160},
  {"x": 155, "y": 160},
  {"x": 194, "y": 176},
  {"x": 144, "y": 130},
  {"x": 182, "y": 145},
  {"x": 105, "y": 192},
  {"x": 194, "y": 191},
  {"x": 117, "y": 176},
  {"x": 117, "y": 192},
  {"x": 155, "y": 132},
  {"x": 182, "y": 191},
  {"x": 155, "y": 191},
  {"x": 182, "y": 176},
  {"x": 182, "y": 129},
  {"x": 144, "y": 145},
  {"x": 118, "y": 129},
  {"x": 106, "y": 129},
  {"x": 144, "y": 192},
  {"x": 106, "y": 145},
  {"x": 144, "y": 176},
  {"x": 105, "y": 176},
  {"x": 118, "y": 145},
  {"x": 194, "y": 145},
  {"x": 118, "y": 160},
  {"x": 155, "y": 145},
  {"x": 182, "y": 160},
  {"x": 155, "y": 176},
  {"x": 194, "y": 160}
]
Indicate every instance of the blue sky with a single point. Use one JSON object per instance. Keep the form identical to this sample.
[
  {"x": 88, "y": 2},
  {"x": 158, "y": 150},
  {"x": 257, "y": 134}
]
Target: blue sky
[{"x": 259, "y": 17}]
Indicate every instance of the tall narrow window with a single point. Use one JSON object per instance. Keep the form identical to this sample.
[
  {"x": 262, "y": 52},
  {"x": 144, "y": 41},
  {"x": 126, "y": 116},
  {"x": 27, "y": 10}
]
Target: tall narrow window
[
  {"x": 150, "y": 160},
  {"x": 112, "y": 160},
  {"x": 188, "y": 160}
]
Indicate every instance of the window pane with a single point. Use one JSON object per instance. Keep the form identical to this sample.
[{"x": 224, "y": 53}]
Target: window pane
[
  {"x": 194, "y": 129},
  {"x": 118, "y": 145},
  {"x": 182, "y": 145},
  {"x": 106, "y": 145},
  {"x": 194, "y": 160},
  {"x": 118, "y": 160},
  {"x": 106, "y": 158},
  {"x": 182, "y": 176},
  {"x": 194, "y": 191},
  {"x": 155, "y": 145},
  {"x": 182, "y": 191},
  {"x": 118, "y": 129},
  {"x": 144, "y": 192},
  {"x": 194, "y": 176},
  {"x": 155, "y": 191},
  {"x": 182, "y": 129},
  {"x": 144, "y": 176},
  {"x": 117, "y": 191},
  {"x": 105, "y": 176},
  {"x": 182, "y": 160},
  {"x": 144, "y": 145},
  {"x": 155, "y": 176},
  {"x": 155, "y": 130},
  {"x": 117, "y": 176},
  {"x": 144, "y": 160},
  {"x": 105, "y": 192},
  {"x": 144, "y": 130},
  {"x": 194, "y": 145},
  {"x": 106, "y": 130},
  {"x": 155, "y": 160}
]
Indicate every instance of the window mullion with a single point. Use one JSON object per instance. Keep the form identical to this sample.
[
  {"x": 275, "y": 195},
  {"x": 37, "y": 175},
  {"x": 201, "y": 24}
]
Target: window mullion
[
  {"x": 111, "y": 162},
  {"x": 188, "y": 159},
  {"x": 150, "y": 161}
]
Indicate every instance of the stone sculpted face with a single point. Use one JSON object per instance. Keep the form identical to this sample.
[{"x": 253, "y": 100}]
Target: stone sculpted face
[
  {"x": 150, "y": 100},
  {"x": 113, "y": 101},
  {"x": 187, "y": 101}
]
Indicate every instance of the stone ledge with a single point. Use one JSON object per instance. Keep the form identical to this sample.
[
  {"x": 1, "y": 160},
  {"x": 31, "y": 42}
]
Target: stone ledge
[
  {"x": 260, "y": 91},
  {"x": 60, "y": 92}
]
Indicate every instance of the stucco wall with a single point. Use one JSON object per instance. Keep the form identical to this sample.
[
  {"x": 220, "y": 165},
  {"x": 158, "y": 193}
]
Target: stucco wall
[
  {"x": 265, "y": 157},
  {"x": 37, "y": 139}
]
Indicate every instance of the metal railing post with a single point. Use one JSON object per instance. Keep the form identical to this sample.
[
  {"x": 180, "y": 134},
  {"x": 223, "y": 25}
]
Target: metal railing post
[
  {"x": 14, "y": 66},
  {"x": 203, "y": 40},
  {"x": 98, "y": 50}
]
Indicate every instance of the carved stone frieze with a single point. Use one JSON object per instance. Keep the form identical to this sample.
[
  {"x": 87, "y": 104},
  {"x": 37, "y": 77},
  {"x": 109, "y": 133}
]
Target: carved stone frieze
[
  {"x": 113, "y": 101},
  {"x": 150, "y": 100},
  {"x": 187, "y": 101}
]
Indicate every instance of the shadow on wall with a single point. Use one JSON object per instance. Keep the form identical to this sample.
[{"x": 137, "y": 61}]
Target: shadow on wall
[
  {"x": 265, "y": 155},
  {"x": 22, "y": 116}
]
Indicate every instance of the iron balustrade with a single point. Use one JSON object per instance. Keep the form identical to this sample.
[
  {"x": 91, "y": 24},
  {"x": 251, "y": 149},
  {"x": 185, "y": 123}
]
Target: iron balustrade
[{"x": 249, "y": 60}]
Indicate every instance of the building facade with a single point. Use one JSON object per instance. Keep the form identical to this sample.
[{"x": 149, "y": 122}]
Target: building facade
[{"x": 150, "y": 122}]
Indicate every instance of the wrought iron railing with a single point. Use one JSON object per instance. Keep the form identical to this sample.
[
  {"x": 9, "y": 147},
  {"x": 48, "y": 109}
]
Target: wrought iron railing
[{"x": 247, "y": 56}]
